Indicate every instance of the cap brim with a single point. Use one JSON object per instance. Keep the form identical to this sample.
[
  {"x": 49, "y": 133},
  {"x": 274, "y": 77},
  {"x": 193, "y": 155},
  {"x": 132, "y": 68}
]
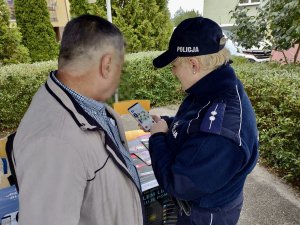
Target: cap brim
[{"x": 164, "y": 59}]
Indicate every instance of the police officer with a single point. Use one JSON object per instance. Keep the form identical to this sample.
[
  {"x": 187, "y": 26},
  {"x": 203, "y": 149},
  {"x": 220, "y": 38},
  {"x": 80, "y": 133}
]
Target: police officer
[{"x": 203, "y": 155}]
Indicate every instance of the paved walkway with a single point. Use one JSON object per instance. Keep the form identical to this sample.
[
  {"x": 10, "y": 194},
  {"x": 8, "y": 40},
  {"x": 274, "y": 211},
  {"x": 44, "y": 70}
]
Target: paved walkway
[{"x": 268, "y": 201}]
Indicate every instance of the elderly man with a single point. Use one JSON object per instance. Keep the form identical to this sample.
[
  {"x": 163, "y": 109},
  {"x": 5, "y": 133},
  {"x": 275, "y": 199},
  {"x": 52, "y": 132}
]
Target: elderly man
[{"x": 72, "y": 160}]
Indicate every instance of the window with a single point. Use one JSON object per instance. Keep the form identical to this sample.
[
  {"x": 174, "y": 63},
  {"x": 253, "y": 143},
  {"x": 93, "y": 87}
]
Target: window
[
  {"x": 254, "y": 2},
  {"x": 52, "y": 5}
]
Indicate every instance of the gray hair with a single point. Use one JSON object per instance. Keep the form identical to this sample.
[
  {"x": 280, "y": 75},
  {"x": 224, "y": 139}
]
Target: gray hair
[{"x": 88, "y": 33}]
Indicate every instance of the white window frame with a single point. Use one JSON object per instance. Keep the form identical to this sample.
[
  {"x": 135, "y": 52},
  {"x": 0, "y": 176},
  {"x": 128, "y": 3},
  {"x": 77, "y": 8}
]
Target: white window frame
[{"x": 249, "y": 3}]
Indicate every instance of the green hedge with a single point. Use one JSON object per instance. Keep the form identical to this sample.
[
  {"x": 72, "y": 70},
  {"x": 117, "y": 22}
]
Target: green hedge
[
  {"x": 18, "y": 83},
  {"x": 273, "y": 89},
  {"x": 140, "y": 80}
]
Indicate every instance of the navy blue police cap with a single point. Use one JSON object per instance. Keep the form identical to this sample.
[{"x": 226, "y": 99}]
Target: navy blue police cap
[{"x": 192, "y": 37}]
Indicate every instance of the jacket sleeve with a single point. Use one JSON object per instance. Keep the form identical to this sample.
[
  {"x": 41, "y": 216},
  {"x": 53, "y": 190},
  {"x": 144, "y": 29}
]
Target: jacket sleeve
[
  {"x": 203, "y": 164},
  {"x": 168, "y": 119},
  {"x": 52, "y": 180}
]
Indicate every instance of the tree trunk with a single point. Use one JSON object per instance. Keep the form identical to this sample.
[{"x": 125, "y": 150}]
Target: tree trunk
[
  {"x": 285, "y": 58},
  {"x": 297, "y": 53}
]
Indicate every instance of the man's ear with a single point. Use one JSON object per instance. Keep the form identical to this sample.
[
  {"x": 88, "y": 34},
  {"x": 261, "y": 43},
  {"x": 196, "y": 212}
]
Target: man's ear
[{"x": 105, "y": 65}]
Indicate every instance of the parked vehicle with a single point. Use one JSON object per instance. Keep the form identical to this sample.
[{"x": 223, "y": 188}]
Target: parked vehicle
[
  {"x": 253, "y": 54},
  {"x": 257, "y": 55}
]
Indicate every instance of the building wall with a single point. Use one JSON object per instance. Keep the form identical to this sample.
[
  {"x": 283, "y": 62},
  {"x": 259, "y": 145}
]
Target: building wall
[
  {"x": 60, "y": 12},
  {"x": 59, "y": 15},
  {"x": 219, "y": 11}
]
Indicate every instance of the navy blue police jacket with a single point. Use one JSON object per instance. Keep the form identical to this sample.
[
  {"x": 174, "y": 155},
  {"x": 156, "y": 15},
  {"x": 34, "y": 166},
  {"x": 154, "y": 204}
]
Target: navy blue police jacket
[{"x": 212, "y": 142}]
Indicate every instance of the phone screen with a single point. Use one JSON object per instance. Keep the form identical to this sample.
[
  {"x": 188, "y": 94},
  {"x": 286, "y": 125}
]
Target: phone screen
[{"x": 141, "y": 115}]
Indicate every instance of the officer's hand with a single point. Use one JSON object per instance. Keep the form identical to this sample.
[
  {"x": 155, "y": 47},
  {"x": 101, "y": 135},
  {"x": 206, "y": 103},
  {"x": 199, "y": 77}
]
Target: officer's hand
[
  {"x": 159, "y": 126},
  {"x": 155, "y": 118}
]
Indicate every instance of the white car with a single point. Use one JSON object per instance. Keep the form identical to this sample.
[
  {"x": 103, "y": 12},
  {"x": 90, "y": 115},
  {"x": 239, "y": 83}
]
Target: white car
[{"x": 253, "y": 55}]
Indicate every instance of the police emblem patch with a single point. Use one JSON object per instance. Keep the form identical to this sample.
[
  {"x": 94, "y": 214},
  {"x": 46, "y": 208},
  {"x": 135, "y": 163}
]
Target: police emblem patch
[{"x": 174, "y": 132}]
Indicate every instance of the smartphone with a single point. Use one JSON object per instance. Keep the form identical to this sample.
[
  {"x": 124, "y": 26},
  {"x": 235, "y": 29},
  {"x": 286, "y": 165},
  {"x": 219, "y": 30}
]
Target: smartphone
[{"x": 141, "y": 116}]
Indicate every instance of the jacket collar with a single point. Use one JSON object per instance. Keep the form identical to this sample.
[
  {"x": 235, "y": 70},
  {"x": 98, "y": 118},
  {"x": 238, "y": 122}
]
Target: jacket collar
[
  {"x": 82, "y": 119},
  {"x": 214, "y": 83}
]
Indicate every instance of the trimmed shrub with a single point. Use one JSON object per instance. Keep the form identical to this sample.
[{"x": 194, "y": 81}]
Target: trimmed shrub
[
  {"x": 18, "y": 83},
  {"x": 140, "y": 80},
  {"x": 272, "y": 88},
  {"x": 11, "y": 49},
  {"x": 274, "y": 91}
]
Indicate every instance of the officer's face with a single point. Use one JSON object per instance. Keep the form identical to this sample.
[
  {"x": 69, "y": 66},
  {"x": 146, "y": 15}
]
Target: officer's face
[{"x": 182, "y": 69}]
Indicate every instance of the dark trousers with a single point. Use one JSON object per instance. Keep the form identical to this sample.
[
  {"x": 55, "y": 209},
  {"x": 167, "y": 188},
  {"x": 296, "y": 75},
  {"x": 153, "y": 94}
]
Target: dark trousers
[{"x": 227, "y": 215}]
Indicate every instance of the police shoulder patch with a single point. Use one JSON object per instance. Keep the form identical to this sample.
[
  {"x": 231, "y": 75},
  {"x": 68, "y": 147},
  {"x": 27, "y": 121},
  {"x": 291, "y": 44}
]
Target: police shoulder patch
[{"x": 213, "y": 118}]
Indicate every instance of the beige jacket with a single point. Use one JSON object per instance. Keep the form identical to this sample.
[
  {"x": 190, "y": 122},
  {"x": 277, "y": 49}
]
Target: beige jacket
[{"x": 69, "y": 172}]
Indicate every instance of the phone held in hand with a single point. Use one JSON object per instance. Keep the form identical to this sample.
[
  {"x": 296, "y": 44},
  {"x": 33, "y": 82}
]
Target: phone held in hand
[{"x": 141, "y": 116}]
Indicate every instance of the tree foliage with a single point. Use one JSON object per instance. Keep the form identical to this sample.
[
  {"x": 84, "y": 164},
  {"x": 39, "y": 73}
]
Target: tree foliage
[
  {"x": 245, "y": 31},
  {"x": 38, "y": 35},
  {"x": 80, "y": 7},
  {"x": 163, "y": 25},
  {"x": 145, "y": 24},
  {"x": 277, "y": 21},
  {"x": 11, "y": 49},
  {"x": 181, "y": 15}
]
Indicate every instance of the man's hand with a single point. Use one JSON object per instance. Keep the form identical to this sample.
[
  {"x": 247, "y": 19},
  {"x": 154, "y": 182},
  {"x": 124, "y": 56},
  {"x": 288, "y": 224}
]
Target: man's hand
[{"x": 159, "y": 126}]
